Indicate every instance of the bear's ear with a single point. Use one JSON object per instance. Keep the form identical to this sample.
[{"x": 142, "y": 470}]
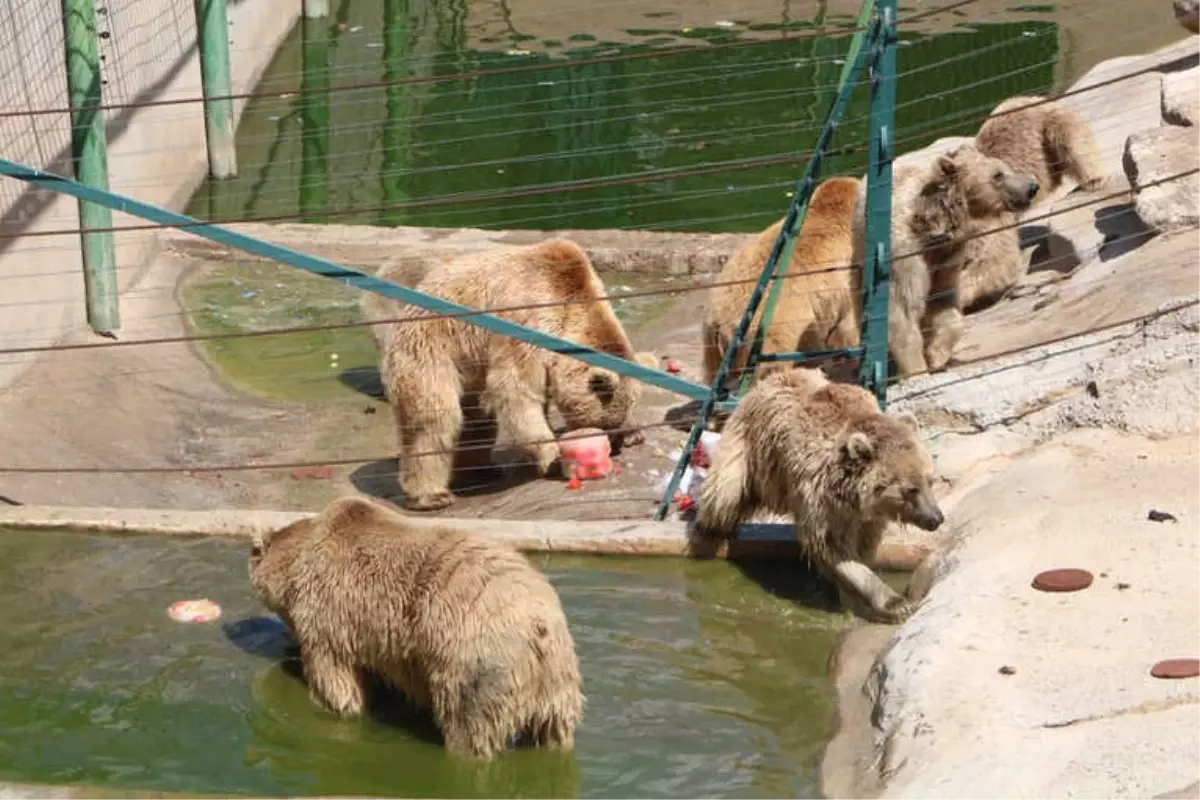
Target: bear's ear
[
  {"x": 859, "y": 447},
  {"x": 909, "y": 420},
  {"x": 602, "y": 383},
  {"x": 945, "y": 167}
]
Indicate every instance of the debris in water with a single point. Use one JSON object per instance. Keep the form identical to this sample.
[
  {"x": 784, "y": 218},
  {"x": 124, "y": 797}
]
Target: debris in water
[
  {"x": 203, "y": 610},
  {"x": 725, "y": 23},
  {"x": 1007, "y": 670},
  {"x": 1161, "y": 516},
  {"x": 1122, "y": 586},
  {"x": 249, "y": 294}
]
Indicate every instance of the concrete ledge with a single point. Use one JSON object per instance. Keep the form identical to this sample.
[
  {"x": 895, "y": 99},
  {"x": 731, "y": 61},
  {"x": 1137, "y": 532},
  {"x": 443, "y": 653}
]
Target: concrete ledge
[
  {"x": 629, "y": 251},
  {"x": 601, "y": 537}
]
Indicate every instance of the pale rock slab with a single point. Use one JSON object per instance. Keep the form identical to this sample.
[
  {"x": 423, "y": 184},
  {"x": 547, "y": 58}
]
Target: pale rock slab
[
  {"x": 1160, "y": 155},
  {"x": 1181, "y": 97}
]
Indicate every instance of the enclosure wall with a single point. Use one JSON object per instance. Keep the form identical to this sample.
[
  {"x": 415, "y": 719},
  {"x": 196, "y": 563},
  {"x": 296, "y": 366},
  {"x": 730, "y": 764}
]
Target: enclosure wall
[{"x": 157, "y": 154}]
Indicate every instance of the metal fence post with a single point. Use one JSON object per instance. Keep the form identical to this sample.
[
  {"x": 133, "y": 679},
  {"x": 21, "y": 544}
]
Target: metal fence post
[
  {"x": 89, "y": 151},
  {"x": 396, "y": 127},
  {"x": 877, "y": 271},
  {"x": 316, "y": 9},
  {"x": 212, "y": 25},
  {"x": 314, "y": 118}
]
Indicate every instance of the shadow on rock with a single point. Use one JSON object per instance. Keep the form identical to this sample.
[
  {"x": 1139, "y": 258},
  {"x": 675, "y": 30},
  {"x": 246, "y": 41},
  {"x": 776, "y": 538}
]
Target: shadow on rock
[
  {"x": 380, "y": 479},
  {"x": 365, "y": 381}
]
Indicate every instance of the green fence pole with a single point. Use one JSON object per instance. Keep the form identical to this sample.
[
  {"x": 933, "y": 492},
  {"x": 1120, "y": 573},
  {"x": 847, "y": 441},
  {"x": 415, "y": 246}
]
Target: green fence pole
[
  {"x": 89, "y": 151},
  {"x": 316, "y": 9},
  {"x": 873, "y": 370},
  {"x": 396, "y": 130},
  {"x": 314, "y": 118},
  {"x": 212, "y": 24}
]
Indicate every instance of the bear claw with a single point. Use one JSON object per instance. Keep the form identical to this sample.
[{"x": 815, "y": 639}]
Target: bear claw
[{"x": 428, "y": 502}]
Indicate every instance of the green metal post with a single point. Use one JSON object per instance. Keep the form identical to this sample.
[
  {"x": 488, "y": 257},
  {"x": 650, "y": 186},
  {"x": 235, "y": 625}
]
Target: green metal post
[
  {"x": 873, "y": 370},
  {"x": 89, "y": 150},
  {"x": 212, "y": 24},
  {"x": 314, "y": 118},
  {"x": 316, "y": 9},
  {"x": 781, "y": 254},
  {"x": 396, "y": 38}
]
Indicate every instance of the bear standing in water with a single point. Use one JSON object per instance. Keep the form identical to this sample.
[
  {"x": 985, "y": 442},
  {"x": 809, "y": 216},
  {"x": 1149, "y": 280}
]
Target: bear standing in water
[{"x": 463, "y": 626}]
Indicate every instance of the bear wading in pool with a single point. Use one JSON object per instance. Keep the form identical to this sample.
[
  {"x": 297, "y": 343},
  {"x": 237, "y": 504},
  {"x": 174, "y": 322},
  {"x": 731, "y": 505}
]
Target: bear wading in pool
[{"x": 462, "y": 626}]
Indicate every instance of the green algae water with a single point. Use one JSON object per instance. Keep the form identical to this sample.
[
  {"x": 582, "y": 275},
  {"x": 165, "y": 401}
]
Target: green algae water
[
  {"x": 311, "y": 152},
  {"x": 700, "y": 683}
]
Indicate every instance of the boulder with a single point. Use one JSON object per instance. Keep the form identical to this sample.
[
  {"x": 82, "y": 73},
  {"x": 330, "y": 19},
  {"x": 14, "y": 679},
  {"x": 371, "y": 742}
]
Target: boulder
[
  {"x": 1151, "y": 160},
  {"x": 1181, "y": 97},
  {"x": 1187, "y": 14}
]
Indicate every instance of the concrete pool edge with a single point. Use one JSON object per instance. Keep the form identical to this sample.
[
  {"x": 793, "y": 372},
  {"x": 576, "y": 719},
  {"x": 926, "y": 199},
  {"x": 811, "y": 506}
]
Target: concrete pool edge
[{"x": 627, "y": 537}]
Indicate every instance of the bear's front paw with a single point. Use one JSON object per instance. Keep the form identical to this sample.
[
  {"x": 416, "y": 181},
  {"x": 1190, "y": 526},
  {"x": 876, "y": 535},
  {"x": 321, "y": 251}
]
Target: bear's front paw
[
  {"x": 428, "y": 502},
  {"x": 547, "y": 458},
  {"x": 633, "y": 438},
  {"x": 896, "y": 610}
]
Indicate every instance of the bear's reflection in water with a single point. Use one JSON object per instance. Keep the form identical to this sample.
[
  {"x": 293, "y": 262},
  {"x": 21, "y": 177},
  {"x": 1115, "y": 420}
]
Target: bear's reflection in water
[{"x": 317, "y": 753}]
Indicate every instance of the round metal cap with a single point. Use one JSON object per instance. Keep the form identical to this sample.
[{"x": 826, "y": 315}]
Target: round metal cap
[{"x": 1062, "y": 580}]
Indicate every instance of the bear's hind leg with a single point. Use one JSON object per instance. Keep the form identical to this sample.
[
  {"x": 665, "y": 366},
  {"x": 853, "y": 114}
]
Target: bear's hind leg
[
  {"x": 429, "y": 422},
  {"x": 332, "y": 683},
  {"x": 726, "y": 498}
]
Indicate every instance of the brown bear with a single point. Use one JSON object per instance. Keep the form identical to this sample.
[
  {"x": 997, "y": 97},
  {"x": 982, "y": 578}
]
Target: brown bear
[
  {"x": 938, "y": 205},
  {"x": 818, "y": 311},
  {"x": 452, "y": 384},
  {"x": 1048, "y": 141},
  {"x": 824, "y": 453},
  {"x": 462, "y": 626},
  {"x": 1051, "y": 143}
]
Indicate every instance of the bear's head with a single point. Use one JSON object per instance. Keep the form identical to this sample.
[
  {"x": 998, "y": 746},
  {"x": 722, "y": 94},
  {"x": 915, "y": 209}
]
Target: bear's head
[
  {"x": 593, "y": 397},
  {"x": 990, "y": 186},
  {"x": 895, "y": 472},
  {"x": 965, "y": 185},
  {"x": 271, "y": 557}
]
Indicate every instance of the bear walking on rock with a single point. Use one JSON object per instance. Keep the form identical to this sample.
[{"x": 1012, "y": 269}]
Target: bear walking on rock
[
  {"x": 1050, "y": 143},
  {"x": 1046, "y": 140},
  {"x": 937, "y": 207},
  {"x": 819, "y": 302},
  {"x": 824, "y": 453},
  {"x": 462, "y": 626},
  {"x": 452, "y": 384}
]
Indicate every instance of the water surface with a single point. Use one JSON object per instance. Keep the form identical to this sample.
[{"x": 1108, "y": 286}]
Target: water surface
[
  {"x": 379, "y": 155},
  {"x": 700, "y": 683}
]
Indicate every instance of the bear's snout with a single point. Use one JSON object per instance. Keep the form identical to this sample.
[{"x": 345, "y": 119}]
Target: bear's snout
[{"x": 929, "y": 519}]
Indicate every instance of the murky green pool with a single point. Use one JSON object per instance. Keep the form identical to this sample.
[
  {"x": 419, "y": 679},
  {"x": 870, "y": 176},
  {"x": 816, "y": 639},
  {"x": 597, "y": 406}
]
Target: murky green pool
[
  {"x": 700, "y": 683},
  {"x": 379, "y": 154}
]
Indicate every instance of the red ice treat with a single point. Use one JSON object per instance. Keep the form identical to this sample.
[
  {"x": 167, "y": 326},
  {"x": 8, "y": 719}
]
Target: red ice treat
[
  {"x": 673, "y": 366},
  {"x": 585, "y": 454}
]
